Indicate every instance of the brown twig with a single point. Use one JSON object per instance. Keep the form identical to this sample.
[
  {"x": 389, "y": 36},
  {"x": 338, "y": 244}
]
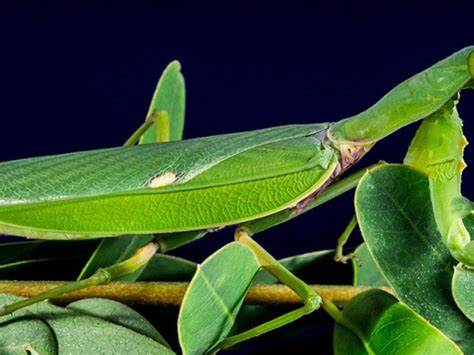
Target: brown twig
[{"x": 171, "y": 293}]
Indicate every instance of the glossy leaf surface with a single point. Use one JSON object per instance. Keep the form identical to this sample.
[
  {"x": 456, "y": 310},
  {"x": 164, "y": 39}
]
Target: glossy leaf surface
[
  {"x": 26, "y": 335},
  {"x": 386, "y": 326},
  {"x": 169, "y": 96},
  {"x": 463, "y": 290},
  {"x": 214, "y": 298},
  {"x": 366, "y": 272},
  {"x": 77, "y": 333},
  {"x": 396, "y": 219},
  {"x": 117, "y": 313}
]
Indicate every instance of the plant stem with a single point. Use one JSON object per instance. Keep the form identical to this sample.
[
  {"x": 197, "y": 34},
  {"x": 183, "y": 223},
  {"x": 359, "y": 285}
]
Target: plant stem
[
  {"x": 171, "y": 293},
  {"x": 99, "y": 277}
]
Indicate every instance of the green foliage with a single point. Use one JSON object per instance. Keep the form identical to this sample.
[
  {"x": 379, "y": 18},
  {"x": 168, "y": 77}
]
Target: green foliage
[
  {"x": 366, "y": 272},
  {"x": 169, "y": 96},
  {"x": 463, "y": 289},
  {"x": 386, "y": 326},
  {"x": 87, "y": 331},
  {"x": 26, "y": 334},
  {"x": 210, "y": 306},
  {"x": 397, "y": 222},
  {"x": 119, "y": 314}
]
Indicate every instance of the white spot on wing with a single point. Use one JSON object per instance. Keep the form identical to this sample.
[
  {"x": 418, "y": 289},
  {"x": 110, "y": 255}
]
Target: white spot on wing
[{"x": 162, "y": 180}]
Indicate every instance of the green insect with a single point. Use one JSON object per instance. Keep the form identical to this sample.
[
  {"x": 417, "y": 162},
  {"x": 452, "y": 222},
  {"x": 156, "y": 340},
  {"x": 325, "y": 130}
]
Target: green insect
[{"x": 178, "y": 190}]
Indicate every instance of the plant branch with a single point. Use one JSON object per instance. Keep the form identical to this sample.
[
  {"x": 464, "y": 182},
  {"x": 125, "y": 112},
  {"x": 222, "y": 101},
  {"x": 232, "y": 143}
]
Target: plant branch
[{"x": 171, "y": 293}]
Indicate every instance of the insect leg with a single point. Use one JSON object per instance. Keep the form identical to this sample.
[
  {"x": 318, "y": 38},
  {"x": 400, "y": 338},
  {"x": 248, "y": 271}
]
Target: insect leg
[
  {"x": 311, "y": 299},
  {"x": 339, "y": 256},
  {"x": 162, "y": 121}
]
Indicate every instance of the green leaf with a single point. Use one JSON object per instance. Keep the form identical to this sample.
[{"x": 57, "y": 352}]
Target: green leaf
[
  {"x": 32, "y": 260},
  {"x": 114, "y": 250},
  {"x": 76, "y": 333},
  {"x": 386, "y": 326},
  {"x": 366, "y": 272},
  {"x": 214, "y": 297},
  {"x": 168, "y": 268},
  {"x": 169, "y": 96},
  {"x": 463, "y": 290},
  {"x": 469, "y": 223},
  {"x": 396, "y": 220},
  {"x": 26, "y": 335},
  {"x": 117, "y": 313}
]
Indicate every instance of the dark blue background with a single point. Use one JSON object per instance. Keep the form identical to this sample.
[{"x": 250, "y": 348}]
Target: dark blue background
[{"x": 80, "y": 76}]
